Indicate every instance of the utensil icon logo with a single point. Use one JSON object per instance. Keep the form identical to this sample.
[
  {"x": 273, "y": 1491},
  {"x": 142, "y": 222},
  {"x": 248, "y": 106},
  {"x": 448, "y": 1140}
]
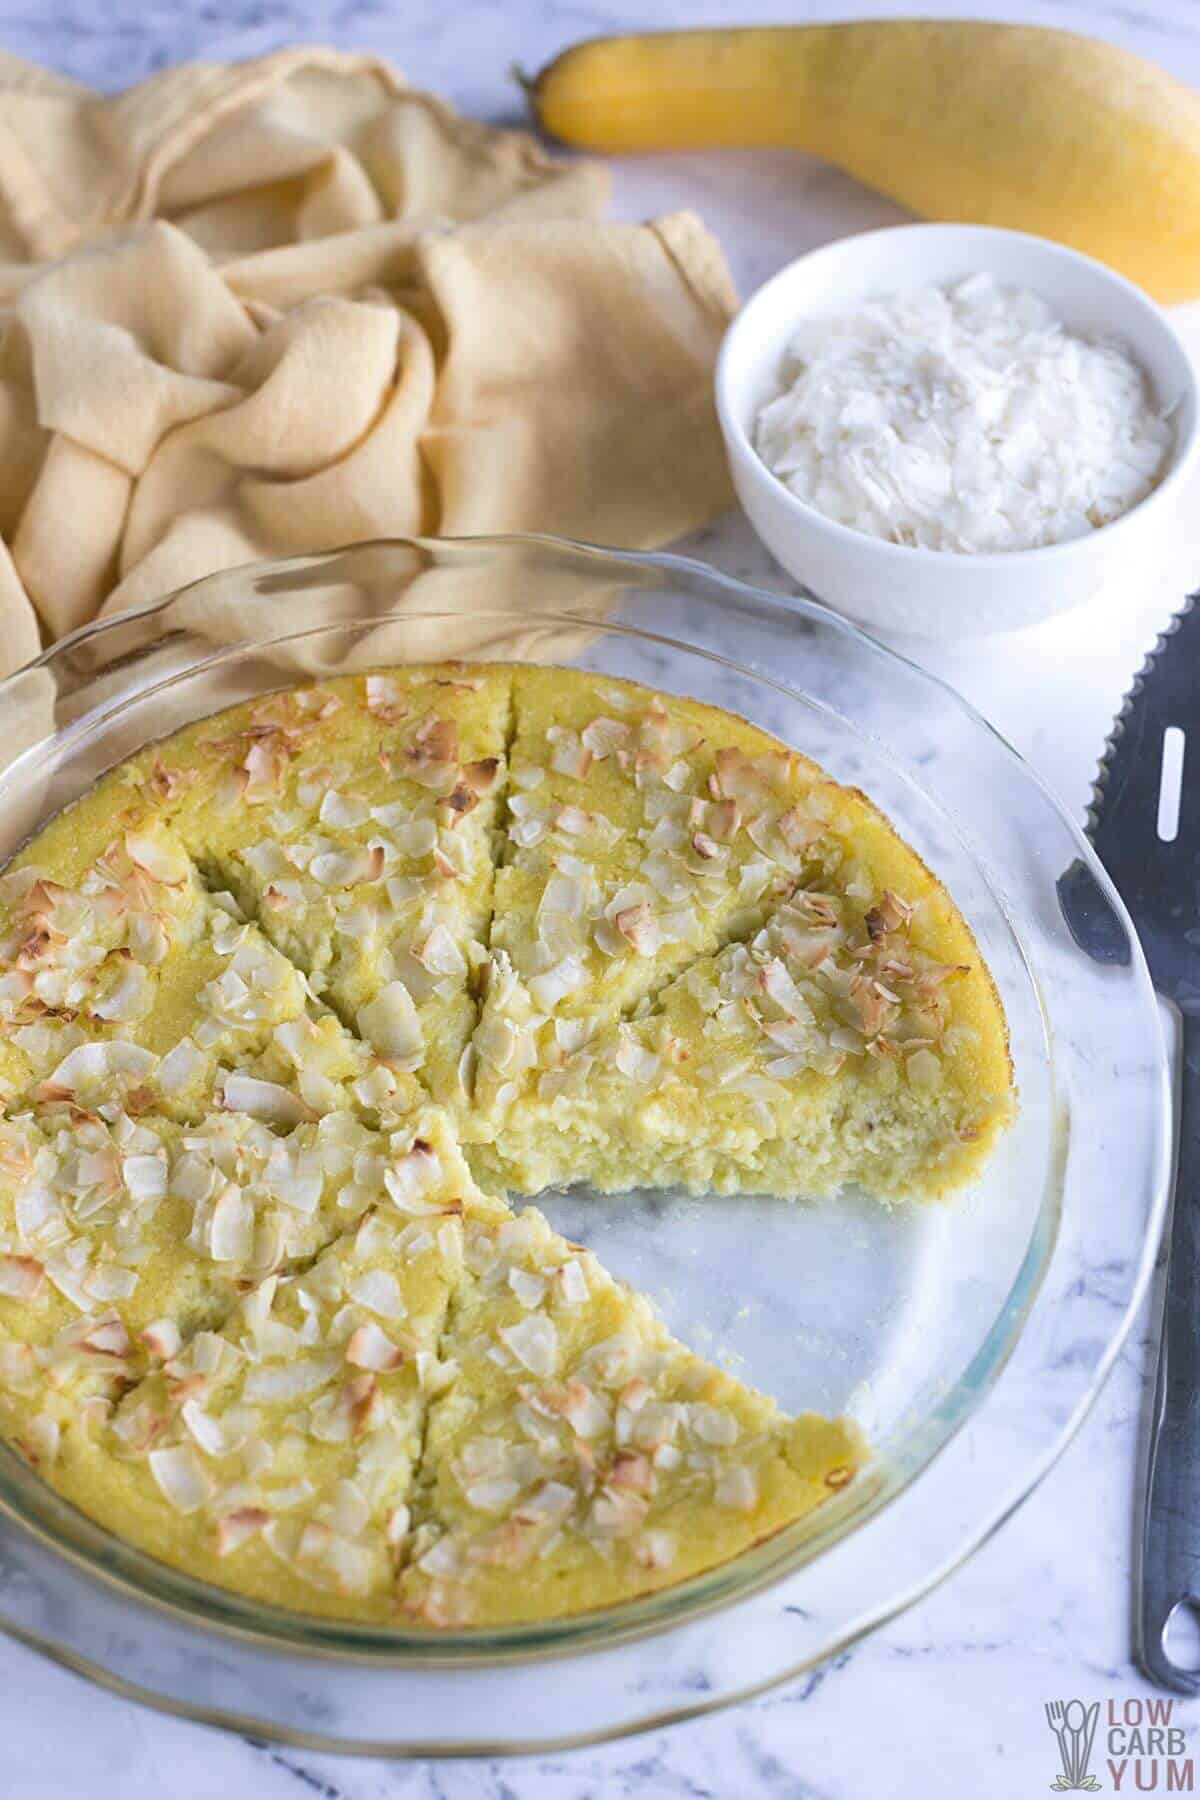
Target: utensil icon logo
[{"x": 1074, "y": 1725}]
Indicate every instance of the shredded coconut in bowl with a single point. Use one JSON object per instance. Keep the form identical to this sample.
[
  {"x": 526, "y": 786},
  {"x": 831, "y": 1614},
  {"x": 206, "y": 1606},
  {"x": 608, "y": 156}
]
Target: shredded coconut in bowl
[{"x": 965, "y": 418}]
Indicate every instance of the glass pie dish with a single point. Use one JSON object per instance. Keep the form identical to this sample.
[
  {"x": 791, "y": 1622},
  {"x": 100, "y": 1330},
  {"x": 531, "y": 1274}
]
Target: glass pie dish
[{"x": 959, "y": 1336}]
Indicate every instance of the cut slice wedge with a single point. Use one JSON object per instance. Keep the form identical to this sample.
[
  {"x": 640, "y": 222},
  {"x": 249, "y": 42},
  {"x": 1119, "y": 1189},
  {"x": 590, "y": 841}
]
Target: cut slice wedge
[
  {"x": 91, "y": 916},
  {"x": 644, "y": 831},
  {"x": 125, "y": 984},
  {"x": 355, "y": 822},
  {"x": 580, "y": 1456},
  {"x": 857, "y": 1038},
  {"x": 276, "y": 1455},
  {"x": 121, "y": 1237}
]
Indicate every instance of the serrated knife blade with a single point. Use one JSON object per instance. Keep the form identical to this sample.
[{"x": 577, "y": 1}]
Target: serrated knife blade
[
  {"x": 1158, "y": 880},
  {"x": 1158, "y": 877}
]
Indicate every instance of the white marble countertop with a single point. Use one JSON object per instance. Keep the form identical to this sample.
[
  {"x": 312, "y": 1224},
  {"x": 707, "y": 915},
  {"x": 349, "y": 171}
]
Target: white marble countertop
[{"x": 948, "y": 1699}]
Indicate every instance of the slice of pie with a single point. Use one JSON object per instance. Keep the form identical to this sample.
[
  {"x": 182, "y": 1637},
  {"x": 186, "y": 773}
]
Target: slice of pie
[
  {"x": 854, "y": 1037},
  {"x": 275, "y": 1456},
  {"x": 847, "y": 1042},
  {"x": 123, "y": 981},
  {"x": 120, "y": 1237},
  {"x": 579, "y": 1456},
  {"x": 355, "y": 822},
  {"x": 643, "y": 831},
  {"x": 90, "y": 913}
]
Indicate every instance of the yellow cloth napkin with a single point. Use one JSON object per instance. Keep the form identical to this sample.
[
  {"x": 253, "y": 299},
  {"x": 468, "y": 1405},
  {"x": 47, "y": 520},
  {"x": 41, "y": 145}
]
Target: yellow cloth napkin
[{"x": 275, "y": 307}]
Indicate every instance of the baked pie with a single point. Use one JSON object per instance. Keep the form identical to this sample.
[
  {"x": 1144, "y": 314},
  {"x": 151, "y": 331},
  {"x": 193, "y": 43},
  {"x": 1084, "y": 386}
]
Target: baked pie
[{"x": 294, "y": 1005}]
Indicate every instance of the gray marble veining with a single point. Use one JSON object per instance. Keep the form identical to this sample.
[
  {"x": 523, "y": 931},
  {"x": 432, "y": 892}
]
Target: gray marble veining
[{"x": 948, "y": 1699}]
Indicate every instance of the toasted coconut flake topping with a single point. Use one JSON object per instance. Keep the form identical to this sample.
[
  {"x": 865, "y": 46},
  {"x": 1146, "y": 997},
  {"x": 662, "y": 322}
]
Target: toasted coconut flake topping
[
  {"x": 390, "y": 1023},
  {"x": 106, "y": 1337},
  {"x": 237, "y": 1528},
  {"x": 482, "y": 776},
  {"x": 21, "y": 1278},
  {"x": 180, "y": 1477},
  {"x": 432, "y": 757},
  {"x": 634, "y": 1061},
  {"x": 639, "y": 926},
  {"x": 379, "y": 1291},
  {"x": 231, "y": 1234},
  {"x": 831, "y": 976},
  {"x": 737, "y": 1489},
  {"x": 371, "y": 1348},
  {"x": 292, "y": 1380},
  {"x": 494, "y": 1494},
  {"x": 263, "y": 1100},
  {"x": 348, "y": 868},
  {"x": 656, "y": 1549},
  {"x": 163, "y": 1339},
  {"x": 41, "y": 1440},
  {"x": 145, "y": 1176},
  {"x": 95, "y": 1063},
  {"x": 342, "y": 811},
  {"x": 162, "y": 860},
  {"x": 574, "y": 1282},
  {"x": 205, "y": 1430},
  {"x": 383, "y": 699},
  {"x": 534, "y": 1342}
]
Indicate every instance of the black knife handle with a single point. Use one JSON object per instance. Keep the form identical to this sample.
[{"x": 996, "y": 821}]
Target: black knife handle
[{"x": 1170, "y": 1551}]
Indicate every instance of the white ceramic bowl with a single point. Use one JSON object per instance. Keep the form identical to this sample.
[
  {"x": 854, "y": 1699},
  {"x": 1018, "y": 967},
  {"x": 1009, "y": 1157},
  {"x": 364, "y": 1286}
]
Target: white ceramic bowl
[{"x": 937, "y": 593}]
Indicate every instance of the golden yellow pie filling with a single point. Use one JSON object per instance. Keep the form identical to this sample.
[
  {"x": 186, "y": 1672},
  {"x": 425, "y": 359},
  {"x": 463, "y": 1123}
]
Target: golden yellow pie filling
[{"x": 294, "y": 1002}]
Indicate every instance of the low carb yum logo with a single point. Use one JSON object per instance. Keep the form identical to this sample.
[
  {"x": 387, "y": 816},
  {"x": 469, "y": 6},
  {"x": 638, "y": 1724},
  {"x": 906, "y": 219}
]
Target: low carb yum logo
[{"x": 1146, "y": 1751}]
